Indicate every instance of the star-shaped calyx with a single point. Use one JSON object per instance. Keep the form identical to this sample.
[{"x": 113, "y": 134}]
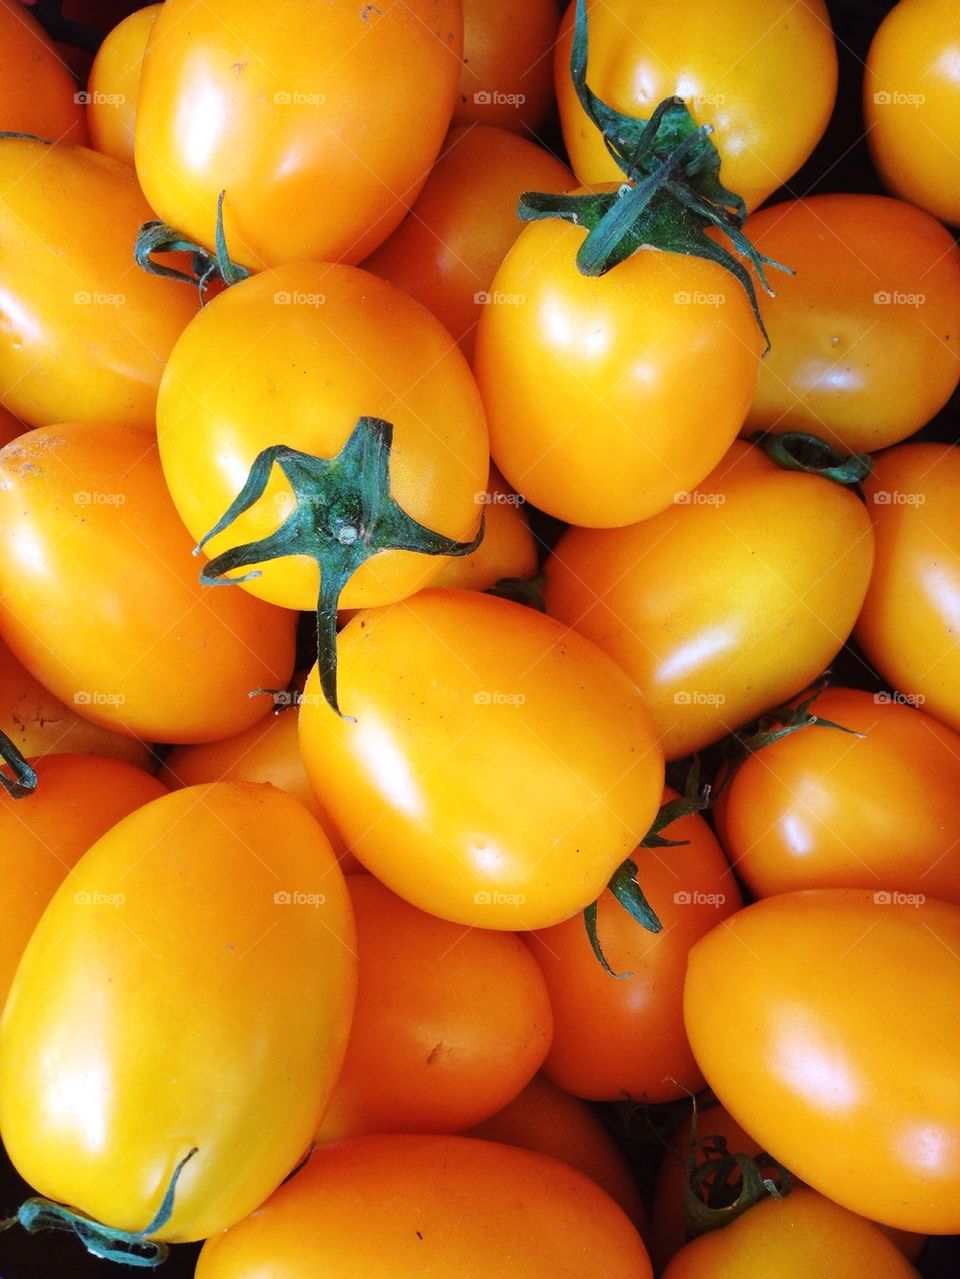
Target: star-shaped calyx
[{"x": 344, "y": 514}]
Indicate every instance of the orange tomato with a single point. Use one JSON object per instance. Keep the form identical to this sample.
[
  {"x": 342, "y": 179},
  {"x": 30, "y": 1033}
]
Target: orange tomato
[
  {"x": 444, "y": 1206},
  {"x": 550, "y": 1121},
  {"x": 824, "y": 809},
  {"x": 78, "y": 798},
  {"x": 624, "y": 1036},
  {"x": 448, "y": 249},
  {"x": 114, "y": 84},
  {"x": 449, "y": 1026},
  {"x": 865, "y": 338},
  {"x": 507, "y": 74},
  {"x": 38, "y": 94},
  {"x": 508, "y": 549},
  {"x": 10, "y": 426}
]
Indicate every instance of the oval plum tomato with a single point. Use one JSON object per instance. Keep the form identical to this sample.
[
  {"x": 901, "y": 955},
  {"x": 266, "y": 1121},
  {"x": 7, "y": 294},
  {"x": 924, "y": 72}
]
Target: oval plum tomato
[
  {"x": 444, "y": 1206},
  {"x": 792, "y": 1007},
  {"x": 911, "y": 105},
  {"x": 449, "y": 1026},
  {"x": 84, "y": 333},
  {"x": 114, "y": 84},
  {"x": 190, "y": 985},
  {"x": 623, "y": 1036},
  {"x": 728, "y": 603},
  {"x": 550, "y": 1121},
  {"x": 321, "y": 124},
  {"x": 38, "y": 95},
  {"x": 10, "y": 426},
  {"x": 38, "y": 724},
  {"x": 907, "y": 626},
  {"x": 607, "y": 396},
  {"x": 865, "y": 337},
  {"x": 507, "y": 73},
  {"x": 456, "y": 696},
  {"x": 448, "y": 249},
  {"x": 716, "y": 1125},
  {"x": 794, "y": 1237},
  {"x": 825, "y": 809},
  {"x": 268, "y": 751},
  {"x": 78, "y": 798},
  {"x": 101, "y": 601},
  {"x": 508, "y": 549},
  {"x": 729, "y": 70},
  {"x": 295, "y": 356}
]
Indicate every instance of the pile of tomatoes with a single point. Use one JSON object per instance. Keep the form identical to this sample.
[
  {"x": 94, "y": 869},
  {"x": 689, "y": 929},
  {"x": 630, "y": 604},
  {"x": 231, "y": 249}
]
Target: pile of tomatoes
[{"x": 479, "y": 677}]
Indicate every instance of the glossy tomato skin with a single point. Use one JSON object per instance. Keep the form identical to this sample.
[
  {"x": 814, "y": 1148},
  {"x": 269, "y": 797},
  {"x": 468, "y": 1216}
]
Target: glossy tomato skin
[
  {"x": 38, "y": 95},
  {"x": 449, "y": 1026},
  {"x": 101, "y": 597},
  {"x": 84, "y": 333},
  {"x": 792, "y": 1007},
  {"x": 546, "y": 1119},
  {"x": 726, "y": 604},
  {"x": 911, "y": 105},
  {"x": 617, "y": 1037},
  {"x": 274, "y": 106},
  {"x": 606, "y": 396},
  {"x": 114, "y": 84},
  {"x": 445, "y": 1206},
  {"x": 78, "y": 798},
  {"x": 310, "y": 348},
  {"x": 455, "y": 697},
  {"x": 865, "y": 338},
  {"x": 825, "y": 809},
  {"x": 190, "y": 984},
  {"x": 794, "y": 1237},
  {"x": 448, "y": 249},
  {"x": 508, "y": 549},
  {"x": 908, "y": 621},
  {"x": 268, "y": 751},
  {"x": 39, "y": 724},
  {"x": 507, "y": 74},
  {"x": 731, "y": 74}
]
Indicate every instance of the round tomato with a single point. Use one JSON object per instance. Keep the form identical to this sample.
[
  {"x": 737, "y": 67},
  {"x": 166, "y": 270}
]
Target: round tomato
[
  {"x": 38, "y": 94},
  {"x": 320, "y": 123},
  {"x": 727, "y": 603},
  {"x": 911, "y": 105},
  {"x": 295, "y": 356},
  {"x": 449, "y": 1024},
  {"x": 908, "y": 623},
  {"x": 508, "y": 549},
  {"x": 820, "y": 1019},
  {"x": 730, "y": 69},
  {"x": 448, "y": 249},
  {"x": 455, "y": 698},
  {"x": 114, "y": 84},
  {"x": 78, "y": 798},
  {"x": 865, "y": 338},
  {"x": 507, "y": 73},
  {"x": 84, "y": 333},
  {"x": 190, "y": 985},
  {"x": 100, "y": 596},
  {"x": 444, "y": 1206},
  {"x": 548, "y": 1120},
  {"x": 623, "y": 1035},
  {"x": 825, "y": 809},
  {"x": 38, "y": 724},
  {"x": 800, "y": 1235},
  {"x": 606, "y": 396}
]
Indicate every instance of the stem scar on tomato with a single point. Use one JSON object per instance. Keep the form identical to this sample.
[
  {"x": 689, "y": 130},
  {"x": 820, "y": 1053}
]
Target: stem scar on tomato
[
  {"x": 672, "y": 195},
  {"x": 24, "y": 780},
  {"x": 344, "y": 514},
  {"x": 127, "y": 1247}
]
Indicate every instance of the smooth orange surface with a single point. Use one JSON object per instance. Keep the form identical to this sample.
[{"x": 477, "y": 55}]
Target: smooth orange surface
[
  {"x": 507, "y": 73},
  {"x": 114, "y": 84},
  {"x": 38, "y": 93}
]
